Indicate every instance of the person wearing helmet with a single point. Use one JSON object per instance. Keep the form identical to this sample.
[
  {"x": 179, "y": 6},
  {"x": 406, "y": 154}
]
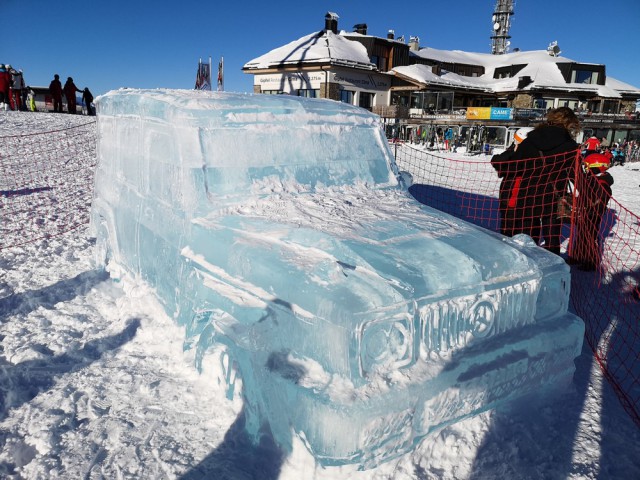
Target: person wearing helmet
[
  {"x": 591, "y": 145},
  {"x": 595, "y": 191},
  {"x": 510, "y": 184}
]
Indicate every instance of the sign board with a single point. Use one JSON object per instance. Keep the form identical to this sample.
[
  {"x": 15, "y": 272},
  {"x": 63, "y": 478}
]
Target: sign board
[{"x": 489, "y": 113}]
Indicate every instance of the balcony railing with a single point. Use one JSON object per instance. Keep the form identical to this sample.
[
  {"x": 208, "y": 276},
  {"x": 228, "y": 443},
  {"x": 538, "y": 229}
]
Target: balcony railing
[{"x": 519, "y": 114}]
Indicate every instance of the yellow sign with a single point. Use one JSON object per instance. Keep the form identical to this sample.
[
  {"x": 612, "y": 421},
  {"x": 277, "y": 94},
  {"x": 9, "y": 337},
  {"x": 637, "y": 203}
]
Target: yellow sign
[{"x": 478, "y": 113}]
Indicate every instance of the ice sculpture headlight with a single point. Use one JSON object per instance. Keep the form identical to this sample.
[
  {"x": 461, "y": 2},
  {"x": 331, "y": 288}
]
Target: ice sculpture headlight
[
  {"x": 386, "y": 345},
  {"x": 553, "y": 298}
]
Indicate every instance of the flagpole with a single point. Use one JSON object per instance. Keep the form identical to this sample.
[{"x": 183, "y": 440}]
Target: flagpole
[
  {"x": 221, "y": 75},
  {"x": 210, "y": 74}
]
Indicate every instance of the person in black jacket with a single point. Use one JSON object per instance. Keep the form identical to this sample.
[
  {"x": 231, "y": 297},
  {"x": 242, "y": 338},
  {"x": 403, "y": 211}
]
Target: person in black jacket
[
  {"x": 545, "y": 161},
  {"x": 87, "y": 98},
  {"x": 510, "y": 184},
  {"x": 55, "y": 89}
]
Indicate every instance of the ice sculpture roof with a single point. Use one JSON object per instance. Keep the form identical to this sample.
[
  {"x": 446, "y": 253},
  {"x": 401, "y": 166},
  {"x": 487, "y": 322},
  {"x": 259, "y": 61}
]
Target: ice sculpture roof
[{"x": 319, "y": 47}]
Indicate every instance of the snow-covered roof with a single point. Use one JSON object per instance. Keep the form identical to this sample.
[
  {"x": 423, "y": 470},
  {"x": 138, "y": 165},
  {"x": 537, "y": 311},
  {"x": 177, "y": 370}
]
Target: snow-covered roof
[
  {"x": 541, "y": 67},
  {"x": 324, "y": 47}
]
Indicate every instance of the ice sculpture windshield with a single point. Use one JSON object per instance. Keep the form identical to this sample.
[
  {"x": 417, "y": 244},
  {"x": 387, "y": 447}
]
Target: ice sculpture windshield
[{"x": 355, "y": 317}]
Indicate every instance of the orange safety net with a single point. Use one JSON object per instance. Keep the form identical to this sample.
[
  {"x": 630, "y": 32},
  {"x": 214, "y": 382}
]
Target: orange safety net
[
  {"x": 46, "y": 183},
  {"x": 568, "y": 209}
]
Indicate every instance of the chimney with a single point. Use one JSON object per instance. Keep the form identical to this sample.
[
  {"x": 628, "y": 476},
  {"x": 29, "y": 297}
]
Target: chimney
[
  {"x": 331, "y": 22},
  {"x": 360, "y": 28},
  {"x": 391, "y": 35},
  {"x": 414, "y": 43},
  {"x": 524, "y": 81}
]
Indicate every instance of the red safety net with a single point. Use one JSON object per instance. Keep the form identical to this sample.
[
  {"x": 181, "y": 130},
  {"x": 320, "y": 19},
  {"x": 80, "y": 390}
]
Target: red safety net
[
  {"x": 568, "y": 209},
  {"x": 46, "y": 183}
]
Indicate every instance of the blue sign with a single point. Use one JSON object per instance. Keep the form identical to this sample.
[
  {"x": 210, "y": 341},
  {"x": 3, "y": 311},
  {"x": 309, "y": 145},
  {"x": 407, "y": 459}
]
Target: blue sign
[{"x": 498, "y": 113}]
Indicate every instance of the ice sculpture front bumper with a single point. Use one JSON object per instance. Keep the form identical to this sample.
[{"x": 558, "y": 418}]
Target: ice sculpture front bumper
[{"x": 373, "y": 424}]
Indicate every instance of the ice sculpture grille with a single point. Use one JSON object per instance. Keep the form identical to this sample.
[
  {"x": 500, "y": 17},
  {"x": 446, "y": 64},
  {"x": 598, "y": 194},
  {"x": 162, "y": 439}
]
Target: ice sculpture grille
[{"x": 453, "y": 323}]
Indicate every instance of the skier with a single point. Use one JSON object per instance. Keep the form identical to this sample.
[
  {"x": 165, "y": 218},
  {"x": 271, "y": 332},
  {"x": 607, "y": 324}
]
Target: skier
[{"x": 591, "y": 145}]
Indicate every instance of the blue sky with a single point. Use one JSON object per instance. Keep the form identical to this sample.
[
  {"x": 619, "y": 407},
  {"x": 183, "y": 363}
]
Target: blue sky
[{"x": 150, "y": 44}]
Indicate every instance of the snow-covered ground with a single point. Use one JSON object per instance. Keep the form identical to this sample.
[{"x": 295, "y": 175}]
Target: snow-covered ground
[{"x": 94, "y": 383}]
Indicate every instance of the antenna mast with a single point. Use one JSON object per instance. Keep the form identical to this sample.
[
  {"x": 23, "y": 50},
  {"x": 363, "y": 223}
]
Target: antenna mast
[{"x": 501, "y": 23}]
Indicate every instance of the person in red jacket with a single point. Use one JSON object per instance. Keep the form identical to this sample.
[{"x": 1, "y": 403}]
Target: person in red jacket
[
  {"x": 595, "y": 191},
  {"x": 5, "y": 85},
  {"x": 70, "y": 90},
  {"x": 55, "y": 89},
  {"x": 591, "y": 145}
]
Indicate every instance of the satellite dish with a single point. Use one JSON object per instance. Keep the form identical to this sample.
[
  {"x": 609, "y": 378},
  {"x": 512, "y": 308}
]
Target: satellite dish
[
  {"x": 553, "y": 49},
  {"x": 493, "y": 19},
  {"x": 496, "y": 26}
]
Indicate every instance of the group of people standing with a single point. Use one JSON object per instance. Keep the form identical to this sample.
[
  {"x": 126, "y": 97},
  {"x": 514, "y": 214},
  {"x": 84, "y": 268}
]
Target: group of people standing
[
  {"x": 69, "y": 90},
  {"x": 538, "y": 172},
  {"x": 14, "y": 94}
]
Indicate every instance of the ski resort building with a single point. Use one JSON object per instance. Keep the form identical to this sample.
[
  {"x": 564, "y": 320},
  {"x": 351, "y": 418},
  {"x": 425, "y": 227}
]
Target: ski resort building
[{"x": 409, "y": 85}]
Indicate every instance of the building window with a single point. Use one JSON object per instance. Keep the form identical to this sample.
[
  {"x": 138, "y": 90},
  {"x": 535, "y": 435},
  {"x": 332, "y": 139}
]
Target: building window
[
  {"x": 380, "y": 62},
  {"x": 365, "y": 100},
  {"x": 308, "y": 92},
  {"x": 272, "y": 92},
  {"x": 346, "y": 96},
  {"x": 572, "y": 104},
  {"x": 545, "y": 103},
  {"x": 584, "y": 76},
  {"x": 610, "y": 106}
]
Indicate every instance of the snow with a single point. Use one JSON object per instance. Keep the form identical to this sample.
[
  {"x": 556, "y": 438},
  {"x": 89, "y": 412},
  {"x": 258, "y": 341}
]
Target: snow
[
  {"x": 336, "y": 49},
  {"x": 318, "y": 47},
  {"x": 94, "y": 383},
  {"x": 538, "y": 64}
]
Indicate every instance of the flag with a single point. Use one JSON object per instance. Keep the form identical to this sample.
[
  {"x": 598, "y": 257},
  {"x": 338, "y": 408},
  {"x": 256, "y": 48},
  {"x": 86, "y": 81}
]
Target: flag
[
  {"x": 203, "y": 76},
  {"x": 221, "y": 75}
]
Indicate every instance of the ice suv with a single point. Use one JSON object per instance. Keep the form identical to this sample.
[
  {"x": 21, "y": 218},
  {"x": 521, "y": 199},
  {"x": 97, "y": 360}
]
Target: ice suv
[{"x": 355, "y": 317}]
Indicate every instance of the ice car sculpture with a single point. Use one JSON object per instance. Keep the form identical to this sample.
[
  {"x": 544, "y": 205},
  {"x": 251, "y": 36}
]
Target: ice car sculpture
[{"x": 356, "y": 317}]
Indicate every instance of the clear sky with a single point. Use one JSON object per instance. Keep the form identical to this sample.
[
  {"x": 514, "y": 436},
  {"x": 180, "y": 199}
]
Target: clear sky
[{"x": 106, "y": 45}]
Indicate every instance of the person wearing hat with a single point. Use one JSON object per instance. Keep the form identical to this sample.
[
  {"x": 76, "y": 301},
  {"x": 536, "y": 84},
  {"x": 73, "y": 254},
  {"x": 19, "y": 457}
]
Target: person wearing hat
[
  {"x": 70, "y": 90},
  {"x": 510, "y": 184},
  {"x": 55, "y": 89},
  {"x": 594, "y": 186}
]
